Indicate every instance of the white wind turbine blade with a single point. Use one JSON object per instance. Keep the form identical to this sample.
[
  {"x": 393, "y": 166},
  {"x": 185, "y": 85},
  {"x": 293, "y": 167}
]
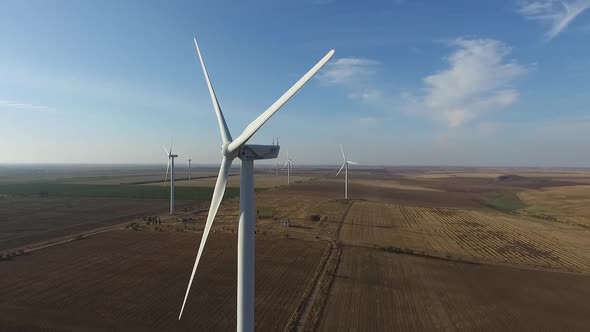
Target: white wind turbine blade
[
  {"x": 225, "y": 134},
  {"x": 167, "y": 169},
  {"x": 566, "y": 6},
  {"x": 343, "y": 156},
  {"x": 286, "y": 162},
  {"x": 341, "y": 167},
  {"x": 215, "y": 202},
  {"x": 352, "y": 162},
  {"x": 253, "y": 127},
  {"x": 167, "y": 165}
]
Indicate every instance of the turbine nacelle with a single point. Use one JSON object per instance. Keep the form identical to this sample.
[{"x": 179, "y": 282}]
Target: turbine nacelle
[{"x": 257, "y": 152}]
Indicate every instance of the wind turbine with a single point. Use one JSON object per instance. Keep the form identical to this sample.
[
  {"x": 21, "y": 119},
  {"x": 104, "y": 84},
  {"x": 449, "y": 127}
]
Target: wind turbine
[
  {"x": 237, "y": 148},
  {"x": 345, "y": 166},
  {"x": 289, "y": 165},
  {"x": 189, "y": 169},
  {"x": 170, "y": 161}
]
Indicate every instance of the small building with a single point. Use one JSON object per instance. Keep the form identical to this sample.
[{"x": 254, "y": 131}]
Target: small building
[{"x": 285, "y": 222}]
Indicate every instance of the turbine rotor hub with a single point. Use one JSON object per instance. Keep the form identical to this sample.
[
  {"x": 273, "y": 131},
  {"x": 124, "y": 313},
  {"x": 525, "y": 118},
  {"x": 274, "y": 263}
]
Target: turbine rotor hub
[{"x": 227, "y": 153}]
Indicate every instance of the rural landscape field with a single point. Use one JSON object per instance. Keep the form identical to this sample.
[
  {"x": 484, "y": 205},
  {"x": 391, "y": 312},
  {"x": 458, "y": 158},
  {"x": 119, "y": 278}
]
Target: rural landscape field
[{"x": 411, "y": 249}]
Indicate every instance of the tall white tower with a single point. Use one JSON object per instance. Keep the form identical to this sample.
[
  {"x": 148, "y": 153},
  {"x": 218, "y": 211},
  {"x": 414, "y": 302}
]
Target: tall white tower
[{"x": 189, "y": 169}]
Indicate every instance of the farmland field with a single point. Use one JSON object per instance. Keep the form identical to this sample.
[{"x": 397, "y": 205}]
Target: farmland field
[
  {"x": 112, "y": 191},
  {"x": 261, "y": 181},
  {"x": 96, "y": 174},
  {"x": 154, "y": 177},
  {"x": 136, "y": 280},
  {"x": 476, "y": 235},
  {"x": 393, "y": 184},
  {"x": 38, "y": 211},
  {"x": 564, "y": 204},
  {"x": 299, "y": 209},
  {"x": 389, "y": 194},
  {"x": 30, "y": 219},
  {"x": 378, "y": 291},
  {"x": 413, "y": 249}
]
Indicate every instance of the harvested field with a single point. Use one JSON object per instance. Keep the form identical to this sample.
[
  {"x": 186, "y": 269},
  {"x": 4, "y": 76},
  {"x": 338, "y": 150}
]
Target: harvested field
[
  {"x": 260, "y": 181},
  {"x": 97, "y": 174},
  {"x": 378, "y": 291},
  {"x": 419, "y": 253},
  {"x": 491, "y": 173},
  {"x": 475, "y": 184},
  {"x": 44, "y": 189},
  {"x": 561, "y": 204},
  {"x": 334, "y": 189},
  {"x": 446, "y": 175},
  {"x": 462, "y": 185},
  {"x": 472, "y": 235},
  {"x": 126, "y": 280},
  {"x": 553, "y": 173},
  {"x": 384, "y": 183},
  {"x": 30, "y": 219},
  {"x": 578, "y": 180},
  {"x": 139, "y": 178},
  {"x": 274, "y": 205}
]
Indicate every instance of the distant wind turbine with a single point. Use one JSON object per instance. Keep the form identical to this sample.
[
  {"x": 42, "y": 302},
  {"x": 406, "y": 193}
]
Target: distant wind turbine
[
  {"x": 345, "y": 166},
  {"x": 170, "y": 161},
  {"x": 189, "y": 169},
  {"x": 289, "y": 165},
  {"x": 237, "y": 148}
]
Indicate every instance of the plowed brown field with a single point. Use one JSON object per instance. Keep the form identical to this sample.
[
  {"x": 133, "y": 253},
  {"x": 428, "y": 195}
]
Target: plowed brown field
[
  {"x": 126, "y": 280},
  {"x": 378, "y": 291},
  {"x": 28, "y": 219}
]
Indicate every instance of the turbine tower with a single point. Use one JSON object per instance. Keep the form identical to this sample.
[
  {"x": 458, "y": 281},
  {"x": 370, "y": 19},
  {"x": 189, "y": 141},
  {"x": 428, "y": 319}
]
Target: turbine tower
[
  {"x": 170, "y": 161},
  {"x": 277, "y": 162},
  {"x": 289, "y": 165},
  {"x": 189, "y": 169},
  {"x": 345, "y": 166},
  {"x": 237, "y": 148}
]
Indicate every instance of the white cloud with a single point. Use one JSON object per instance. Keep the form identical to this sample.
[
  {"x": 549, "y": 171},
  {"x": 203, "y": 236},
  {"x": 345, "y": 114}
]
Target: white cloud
[
  {"x": 359, "y": 77},
  {"x": 10, "y": 104},
  {"x": 368, "y": 95},
  {"x": 536, "y": 8},
  {"x": 557, "y": 13},
  {"x": 478, "y": 80},
  {"x": 347, "y": 71}
]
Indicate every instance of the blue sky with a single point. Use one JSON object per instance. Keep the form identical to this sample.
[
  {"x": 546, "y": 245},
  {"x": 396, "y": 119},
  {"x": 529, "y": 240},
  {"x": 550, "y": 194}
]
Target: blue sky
[{"x": 412, "y": 82}]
